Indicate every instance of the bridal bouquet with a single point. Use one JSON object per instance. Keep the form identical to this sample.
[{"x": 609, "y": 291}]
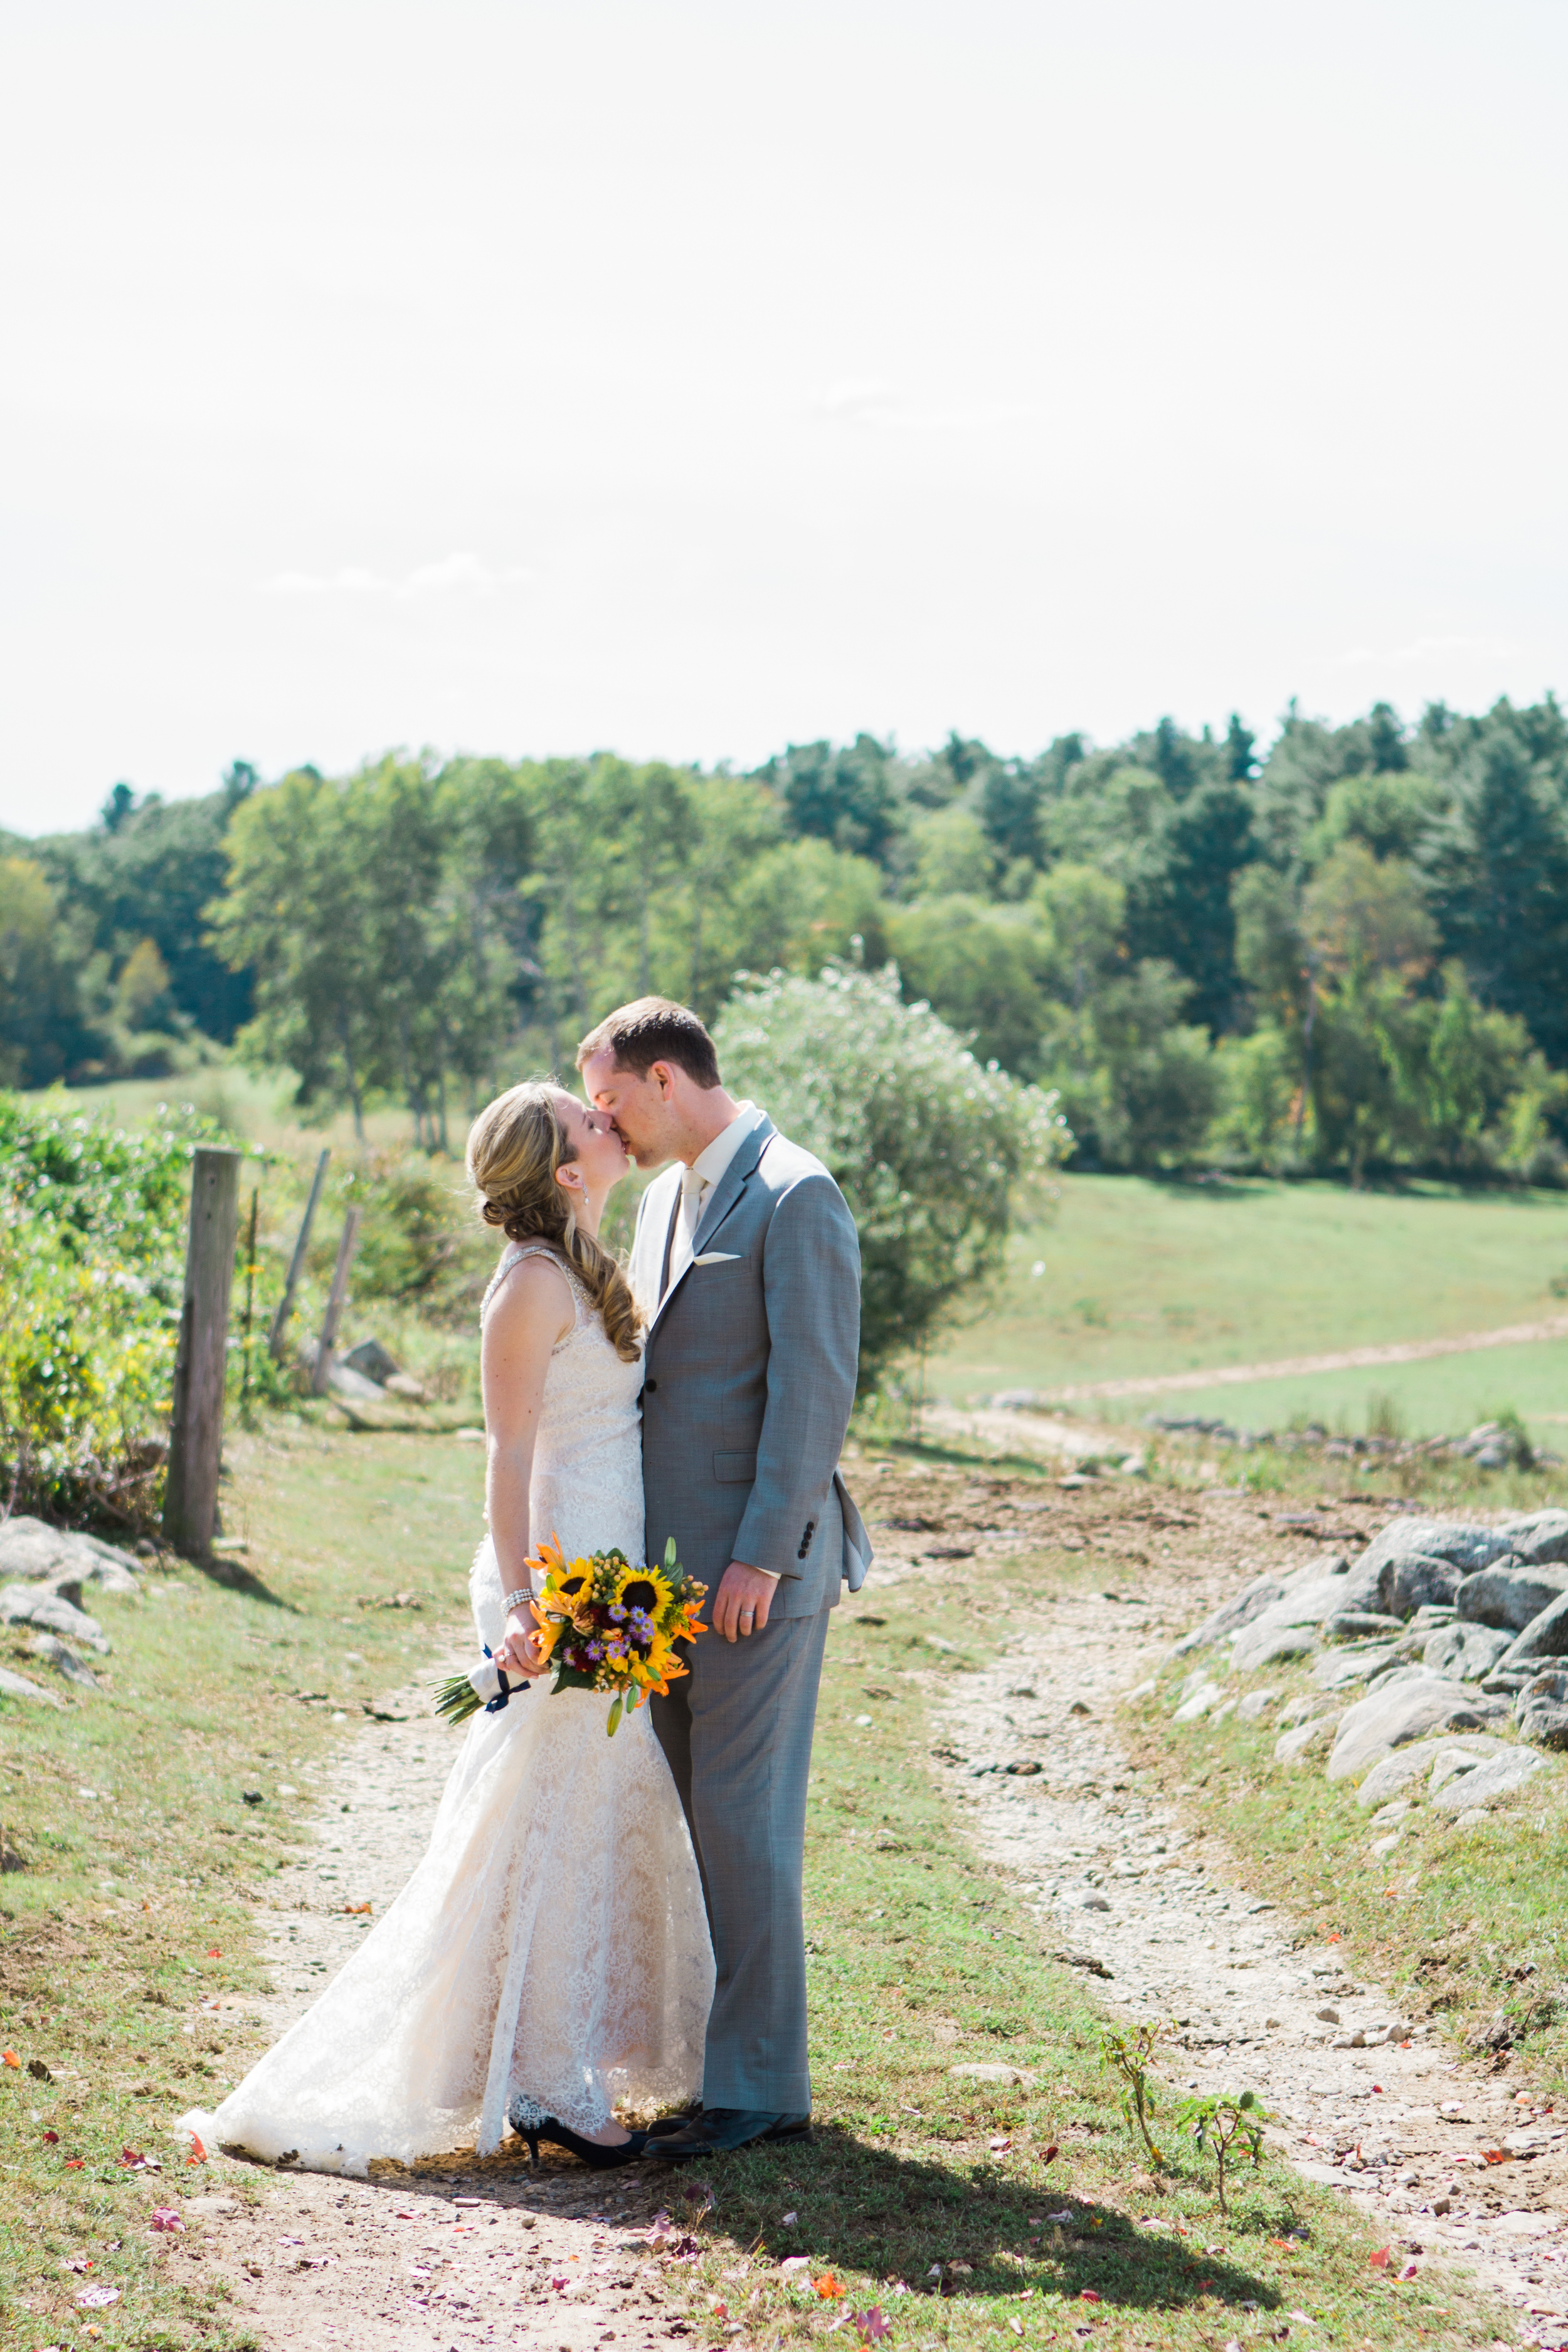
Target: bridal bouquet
[{"x": 603, "y": 1625}]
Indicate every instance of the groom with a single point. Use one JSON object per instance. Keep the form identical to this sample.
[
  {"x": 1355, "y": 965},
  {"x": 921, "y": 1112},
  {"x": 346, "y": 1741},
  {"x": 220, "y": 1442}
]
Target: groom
[{"x": 747, "y": 1265}]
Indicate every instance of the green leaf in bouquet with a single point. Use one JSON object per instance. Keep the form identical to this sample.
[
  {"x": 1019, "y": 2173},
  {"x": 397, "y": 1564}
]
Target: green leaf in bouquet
[
  {"x": 456, "y": 1699},
  {"x": 613, "y": 1719}
]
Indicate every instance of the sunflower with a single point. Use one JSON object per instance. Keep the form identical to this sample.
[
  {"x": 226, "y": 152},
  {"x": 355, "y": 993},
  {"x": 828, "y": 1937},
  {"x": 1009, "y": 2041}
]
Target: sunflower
[
  {"x": 648, "y": 1589},
  {"x": 658, "y": 1669}
]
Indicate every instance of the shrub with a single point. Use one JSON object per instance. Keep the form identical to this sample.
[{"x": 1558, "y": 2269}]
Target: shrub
[
  {"x": 929, "y": 1147},
  {"x": 92, "y": 1228}
]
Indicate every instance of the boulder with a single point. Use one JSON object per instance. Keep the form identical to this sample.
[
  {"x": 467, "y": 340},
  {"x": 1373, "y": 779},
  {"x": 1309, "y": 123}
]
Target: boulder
[
  {"x": 1337, "y": 1669},
  {"x": 1358, "y": 1624},
  {"x": 1402, "y": 1709},
  {"x": 1405, "y": 1766},
  {"x": 1306, "y": 1739},
  {"x": 1206, "y": 1696},
  {"x": 372, "y": 1362},
  {"x": 1472, "y": 1787},
  {"x": 1370, "y": 1584},
  {"x": 1545, "y": 1636},
  {"x": 1420, "y": 1581},
  {"x": 1508, "y": 1598},
  {"x": 1243, "y": 1606},
  {"x": 1544, "y": 1723},
  {"x": 1306, "y": 1602},
  {"x": 345, "y": 1381},
  {"x": 22, "y": 1604},
  {"x": 34, "y": 1553},
  {"x": 18, "y": 1687},
  {"x": 54, "y": 1653},
  {"x": 1539, "y": 1538},
  {"x": 1260, "y": 1645},
  {"x": 1255, "y": 1704},
  {"x": 1466, "y": 1653}
]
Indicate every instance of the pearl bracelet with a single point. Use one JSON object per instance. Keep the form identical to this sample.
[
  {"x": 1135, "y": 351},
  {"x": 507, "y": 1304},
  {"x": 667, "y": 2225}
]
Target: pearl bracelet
[{"x": 515, "y": 1600}]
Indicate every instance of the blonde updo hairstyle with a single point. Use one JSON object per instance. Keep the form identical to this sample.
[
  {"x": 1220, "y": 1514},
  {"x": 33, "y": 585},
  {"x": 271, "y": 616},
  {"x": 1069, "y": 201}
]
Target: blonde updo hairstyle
[{"x": 515, "y": 1147}]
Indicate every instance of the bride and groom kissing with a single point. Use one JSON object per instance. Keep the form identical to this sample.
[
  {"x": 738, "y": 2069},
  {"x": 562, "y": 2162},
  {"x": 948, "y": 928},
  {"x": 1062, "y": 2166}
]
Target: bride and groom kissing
[{"x": 616, "y": 1924}]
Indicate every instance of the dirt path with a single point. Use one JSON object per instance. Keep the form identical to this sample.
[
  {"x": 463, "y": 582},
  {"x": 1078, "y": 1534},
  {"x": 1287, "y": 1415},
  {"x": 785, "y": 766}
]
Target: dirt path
[
  {"x": 1347, "y": 1359},
  {"x": 1111, "y": 1874},
  {"x": 473, "y": 2256}
]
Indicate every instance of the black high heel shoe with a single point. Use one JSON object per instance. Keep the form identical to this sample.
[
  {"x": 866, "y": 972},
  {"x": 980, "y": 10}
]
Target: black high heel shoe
[{"x": 587, "y": 2151}]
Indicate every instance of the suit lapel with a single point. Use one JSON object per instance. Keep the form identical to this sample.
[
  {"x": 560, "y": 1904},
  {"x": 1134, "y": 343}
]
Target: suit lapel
[{"x": 722, "y": 1199}]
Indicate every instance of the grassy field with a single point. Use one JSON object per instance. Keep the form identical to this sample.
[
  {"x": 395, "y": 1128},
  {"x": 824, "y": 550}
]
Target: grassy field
[
  {"x": 144, "y": 1860},
  {"x": 1142, "y": 1278}
]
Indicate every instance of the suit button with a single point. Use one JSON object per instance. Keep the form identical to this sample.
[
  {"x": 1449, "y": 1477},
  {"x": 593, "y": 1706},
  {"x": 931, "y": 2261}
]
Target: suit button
[{"x": 649, "y": 1387}]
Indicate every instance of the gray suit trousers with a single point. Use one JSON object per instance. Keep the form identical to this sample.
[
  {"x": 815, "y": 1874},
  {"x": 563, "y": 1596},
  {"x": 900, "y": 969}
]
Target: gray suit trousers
[{"x": 736, "y": 1733}]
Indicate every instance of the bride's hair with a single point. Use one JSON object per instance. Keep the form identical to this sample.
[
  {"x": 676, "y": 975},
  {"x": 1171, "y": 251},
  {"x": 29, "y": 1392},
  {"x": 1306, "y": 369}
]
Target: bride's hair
[{"x": 515, "y": 1147}]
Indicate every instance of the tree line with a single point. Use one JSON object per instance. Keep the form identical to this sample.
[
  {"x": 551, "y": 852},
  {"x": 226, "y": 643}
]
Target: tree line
[{"x": 1350, "y": 952}]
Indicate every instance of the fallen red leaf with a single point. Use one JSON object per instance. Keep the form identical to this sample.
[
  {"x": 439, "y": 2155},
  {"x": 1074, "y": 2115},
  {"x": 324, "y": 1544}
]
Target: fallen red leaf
[
  {"x": 1380, "y": 2259},
  {"x": 163, "y": 2217},
  {"x": 1336, "y": 1937},
  {"x": 51, "y": 2139},
  {"x": 198, "y": 2153},
  {"x": 1089, "y": 2295},
  {"x": 213, "y": 1953},
  {"x": 354, "y": 1909},
  {"x": 1052, "y": 2151},
  {"x": 75, "y": 2163},
  {"x": 9, "y": 2058},
  {"x": 827, "y": 2286}
]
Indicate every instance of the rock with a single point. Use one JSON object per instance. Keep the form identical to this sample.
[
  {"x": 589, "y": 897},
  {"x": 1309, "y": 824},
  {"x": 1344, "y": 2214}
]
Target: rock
[
  {"x": 1494, "y": 1456},
  {"x": 1545, "y": 1636},
  {"x": 1260, "y": 1644},
  {"x": 1005, "y": 2077},
  {"x": 1358, "y": 1624},
  {"x": 54, "y": 1653},
  {"x": 370, "y": 1359},
  {"x": 345, "y": 1381},
  {"x": 18, "y": 1687},
  {"x": 404, "y": 1384},
  {"x": 1308, "y": 1706},
  {"x": 1255, "y": 1704},
  {"x": 1396, "y": 1811},
  {"x": 1401, "y": 1710},
  {"x": 1544, "y": 1723},
  {"x": 1492, "y": 1783},
  {"x": 37, "y": 1554},
  {"x": 1540, "y": 1537},
  {"x": 1509, "y": 1597},
  {"x": 21, "y": 1605},
  {"x": 1421, "y": 1581},
  {"x": 1337, "y": 1668},
  {"x": 1466, "y": 1653},
  {"x": 1306, "y": 1739},
  {"x": 1409, "y": 1764},
  {"x": 1249, "y": 1603},
  {"x": 1201, "y": 1699},
  {"x": 1327, "y": 2016},
  {"x": 1370, "y": 1584}
]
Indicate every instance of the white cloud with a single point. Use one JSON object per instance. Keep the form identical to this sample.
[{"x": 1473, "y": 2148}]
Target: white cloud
[
  {"x": 457, "y": 571},
  {"x": 876, "y": 408}
]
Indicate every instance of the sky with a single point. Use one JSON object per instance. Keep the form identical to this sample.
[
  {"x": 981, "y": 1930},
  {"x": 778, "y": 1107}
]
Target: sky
[{"x": 691, "y": 379}]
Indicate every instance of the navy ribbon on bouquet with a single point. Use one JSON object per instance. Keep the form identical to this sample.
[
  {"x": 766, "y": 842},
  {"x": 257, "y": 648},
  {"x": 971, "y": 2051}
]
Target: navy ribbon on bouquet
[{"x": 494, "y": 1705}]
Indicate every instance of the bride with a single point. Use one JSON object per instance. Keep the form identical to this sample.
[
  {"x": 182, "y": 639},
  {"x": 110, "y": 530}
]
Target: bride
[{"x": 549, "y": 1960}]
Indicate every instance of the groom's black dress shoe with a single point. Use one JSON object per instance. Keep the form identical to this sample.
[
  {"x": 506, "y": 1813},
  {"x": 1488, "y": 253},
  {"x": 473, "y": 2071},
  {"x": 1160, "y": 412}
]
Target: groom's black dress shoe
[
  {"x": 668, "y": 2126},
  {"x": 715, "y": 2129}
]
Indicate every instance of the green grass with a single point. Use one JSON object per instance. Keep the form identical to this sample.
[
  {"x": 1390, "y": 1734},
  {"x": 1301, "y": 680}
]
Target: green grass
[
  {"x": 1145, "y": 1278},
  {"x": 1460, "y": 1924},
  {"x": 919, "y": 1959}
]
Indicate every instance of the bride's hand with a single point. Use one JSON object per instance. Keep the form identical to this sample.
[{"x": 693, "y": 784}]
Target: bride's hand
[{"x": 518, "y": 1652}]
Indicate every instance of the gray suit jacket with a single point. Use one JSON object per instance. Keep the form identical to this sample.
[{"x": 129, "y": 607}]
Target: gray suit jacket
[{"x": 749, "y": 1375}]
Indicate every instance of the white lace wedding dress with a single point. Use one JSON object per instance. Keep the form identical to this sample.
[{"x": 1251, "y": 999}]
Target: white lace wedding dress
[{"x": 550, "y": 1955}]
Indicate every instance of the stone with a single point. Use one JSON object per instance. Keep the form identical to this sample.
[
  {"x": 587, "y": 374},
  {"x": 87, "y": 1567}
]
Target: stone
[
  {"x": 1005, "y": 2077},
  {"x": 1509, "y": 1597},
  {"x": 1466, "y": 1653},
  {"x": 18, "y": 1687},
  {"x": 1380, "y": 1847},
  {"x": 372, "y": 1362},
  {"x": 1255, "y": 1704},
  {"x": 1544, "y": 1723},
  {"x": 1412, "y": 1763},
  {"x": 1295, "y": 1747},
  {"x": 345, "y": 1381},
  {"x": 20, "y": 1605},
  {"x": 1401, "y": 1710},
  {"x": 1201, "y": 1699},
  {"x": 1545, "y": 1636},
  {"x": 1249, "y": 1603},
  {"x": 54, "y": 1653},
  {"x": 1395, "y": 1811},
  {"x": 1260, "y": 1644},
  {"x": 1540, "y": 1537},
  {"x": 1358, "y": 1624},
  {"x": 1420, "y": 1581},
  {"x": 1492, "y": 1783},
  {"x": 35, "y": 1553},
  {"x": 1338, "y": 1668},
  {"x": 1370, "y": 1584},
  {"x": 1307, "y": 1707}
]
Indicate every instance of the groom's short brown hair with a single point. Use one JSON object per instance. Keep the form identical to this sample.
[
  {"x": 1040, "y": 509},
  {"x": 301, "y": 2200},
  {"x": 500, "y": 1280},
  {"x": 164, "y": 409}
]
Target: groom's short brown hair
[{"x": 653, "y": 1029}]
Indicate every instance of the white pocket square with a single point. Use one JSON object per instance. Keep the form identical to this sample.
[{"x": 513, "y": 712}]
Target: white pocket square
[{"x": 717, "y": 1257}]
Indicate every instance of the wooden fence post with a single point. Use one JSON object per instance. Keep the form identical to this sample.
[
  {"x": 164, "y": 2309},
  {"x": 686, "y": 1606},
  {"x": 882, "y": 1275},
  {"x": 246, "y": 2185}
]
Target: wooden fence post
[
  {"x": 274, "y": 1338},
  {"x": 196, "y": 1432},
  {"x": 335, "y": 1303}
]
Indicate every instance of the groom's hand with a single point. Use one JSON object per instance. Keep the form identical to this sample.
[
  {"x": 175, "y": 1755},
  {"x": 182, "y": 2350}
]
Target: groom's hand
[{"x": 741, "y": 1604}]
